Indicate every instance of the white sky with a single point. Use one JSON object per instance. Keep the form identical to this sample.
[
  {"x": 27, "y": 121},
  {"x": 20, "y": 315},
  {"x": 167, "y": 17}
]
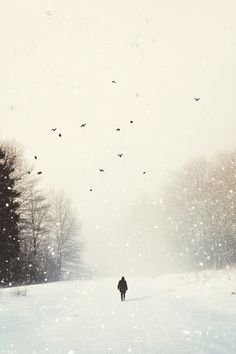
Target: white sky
[{"x": 57, "y": 61}]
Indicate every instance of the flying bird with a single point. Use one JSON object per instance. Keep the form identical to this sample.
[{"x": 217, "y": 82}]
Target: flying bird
[
  {"x": 120, "y": 155},
  {"x": 12, "y": 108},
  {"x": 59, "y": 135},
  {"x": 197, "y": 98},
  {"x": 131, "y": 121},
  {"x": 144, "y": 172},
  {"x": 118, "y": 129},
  {"x": 101, "y": 170},
  {"x": 35, "y": 157},
  {"x": 90, "y": 190},
  {"x": 28, "y": 172},
  {"x": 113, "y": 82},
  {"x": 83, "y": 125},
  {"x": 54, "y": 129},
  {"x": 39, "y": 173}
]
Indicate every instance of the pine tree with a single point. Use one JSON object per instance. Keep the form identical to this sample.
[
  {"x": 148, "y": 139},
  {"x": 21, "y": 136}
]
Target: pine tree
[{"x": 9, "y": 219}]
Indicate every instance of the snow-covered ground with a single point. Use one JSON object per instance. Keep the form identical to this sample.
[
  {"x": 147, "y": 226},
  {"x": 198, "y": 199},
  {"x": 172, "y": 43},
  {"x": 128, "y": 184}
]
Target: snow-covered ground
[{"x": 169, "y": 314}]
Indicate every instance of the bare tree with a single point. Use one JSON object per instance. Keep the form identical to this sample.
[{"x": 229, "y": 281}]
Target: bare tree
[
  {"x": 223, "y": 200},
  {"x": 198, "y": 211},
  {"x": 66, "y": 236},
  {"x": 35, "y": 227}
]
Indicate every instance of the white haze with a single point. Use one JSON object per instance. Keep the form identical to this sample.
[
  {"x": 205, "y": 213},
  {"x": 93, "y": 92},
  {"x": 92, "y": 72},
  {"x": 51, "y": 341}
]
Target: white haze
[{"x": 58, "y": 60}]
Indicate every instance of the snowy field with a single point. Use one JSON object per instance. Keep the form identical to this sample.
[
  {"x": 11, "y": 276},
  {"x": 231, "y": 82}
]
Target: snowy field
[{"x": 166, "y": 315}]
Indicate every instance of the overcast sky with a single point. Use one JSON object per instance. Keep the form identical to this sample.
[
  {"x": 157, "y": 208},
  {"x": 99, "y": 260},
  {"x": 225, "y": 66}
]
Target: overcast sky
[{"x": 58, "y": 59}]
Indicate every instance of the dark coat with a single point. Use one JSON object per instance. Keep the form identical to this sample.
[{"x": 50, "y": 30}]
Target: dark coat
[{"x": 122, "y": 285}]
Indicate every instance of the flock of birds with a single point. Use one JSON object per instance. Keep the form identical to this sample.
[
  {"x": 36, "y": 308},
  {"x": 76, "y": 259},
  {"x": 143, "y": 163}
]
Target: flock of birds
[
  {"x": 83, "y": 126},
  {"x": 60, "y": 135}
]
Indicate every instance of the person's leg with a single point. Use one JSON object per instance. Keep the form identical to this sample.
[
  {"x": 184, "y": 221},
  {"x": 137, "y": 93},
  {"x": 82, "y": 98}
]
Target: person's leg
[{"x": 121, "y": 296}]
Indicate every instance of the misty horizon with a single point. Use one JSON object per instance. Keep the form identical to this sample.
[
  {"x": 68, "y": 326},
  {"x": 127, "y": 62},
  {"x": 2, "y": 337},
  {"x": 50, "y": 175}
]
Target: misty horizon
[{"x": 61, "y": 62}]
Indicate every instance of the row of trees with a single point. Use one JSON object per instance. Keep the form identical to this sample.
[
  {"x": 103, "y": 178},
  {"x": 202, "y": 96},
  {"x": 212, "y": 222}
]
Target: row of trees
[
  {"x": 39, "y": 232},
  {"x": 198, "y": 212},
  {"x": 191, "y": 224}
]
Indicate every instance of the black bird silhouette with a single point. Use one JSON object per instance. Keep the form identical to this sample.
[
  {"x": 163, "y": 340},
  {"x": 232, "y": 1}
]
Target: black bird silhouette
[
  {"x": 54, "y": 129},
  {"x": 144, "y": 172},
  {"x": 39, "y": 173},
  {"x": 131, "y": 121},
  {"x": 118, "y": 129},
  {"x": 197, "y": 99},
  {"x": 101, "y": 170},
  {"x": 113, "y": 82},
  {"x": 120, "y": 155},
  {"x": 59, "y": 135},
  {"x": 35, "y": 157},
  {"x": 28, "y": 172},
  {"x": 90, "y": 190},
  {"x": 83, "y": 125}
]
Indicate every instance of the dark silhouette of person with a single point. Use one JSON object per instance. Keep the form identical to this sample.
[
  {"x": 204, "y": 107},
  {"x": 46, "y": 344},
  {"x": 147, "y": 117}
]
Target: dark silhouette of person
[{"x": 122, "y": 287}]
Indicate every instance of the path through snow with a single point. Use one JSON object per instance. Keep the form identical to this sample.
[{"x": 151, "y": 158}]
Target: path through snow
[{"x": 165, "y": 315}]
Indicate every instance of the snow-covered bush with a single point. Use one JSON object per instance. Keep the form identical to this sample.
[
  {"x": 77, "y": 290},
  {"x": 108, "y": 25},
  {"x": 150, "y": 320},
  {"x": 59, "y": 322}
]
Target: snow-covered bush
[{"x": 22, "y": 291}]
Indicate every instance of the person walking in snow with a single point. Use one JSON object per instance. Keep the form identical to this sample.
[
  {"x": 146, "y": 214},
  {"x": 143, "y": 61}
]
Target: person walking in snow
[{"x": 122, "y": 287}]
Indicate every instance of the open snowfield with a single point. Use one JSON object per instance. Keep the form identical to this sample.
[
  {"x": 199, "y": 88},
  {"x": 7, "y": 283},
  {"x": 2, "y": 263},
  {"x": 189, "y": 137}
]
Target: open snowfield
[{"x": 165, "y": 315}]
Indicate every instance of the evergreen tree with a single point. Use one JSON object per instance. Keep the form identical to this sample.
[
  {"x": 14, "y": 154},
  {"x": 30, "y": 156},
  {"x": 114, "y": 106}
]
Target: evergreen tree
[{"x": 9, "y": 220}]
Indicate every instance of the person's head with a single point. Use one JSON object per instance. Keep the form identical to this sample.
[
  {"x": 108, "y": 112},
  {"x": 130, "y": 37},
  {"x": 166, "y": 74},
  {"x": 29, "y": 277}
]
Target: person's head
[{"x": 123, "y": 278}]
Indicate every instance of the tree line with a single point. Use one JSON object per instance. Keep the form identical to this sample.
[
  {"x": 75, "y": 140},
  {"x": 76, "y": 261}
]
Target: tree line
[
  {"x": 198, "y": 211},
  {"x": 191, "y": 223},
  {"x": 40, "y": 233}
]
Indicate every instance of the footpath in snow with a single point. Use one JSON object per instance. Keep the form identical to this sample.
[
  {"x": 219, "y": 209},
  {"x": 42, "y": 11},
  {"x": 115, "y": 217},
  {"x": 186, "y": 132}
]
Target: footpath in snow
[{"x": 171, "y": 314}]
